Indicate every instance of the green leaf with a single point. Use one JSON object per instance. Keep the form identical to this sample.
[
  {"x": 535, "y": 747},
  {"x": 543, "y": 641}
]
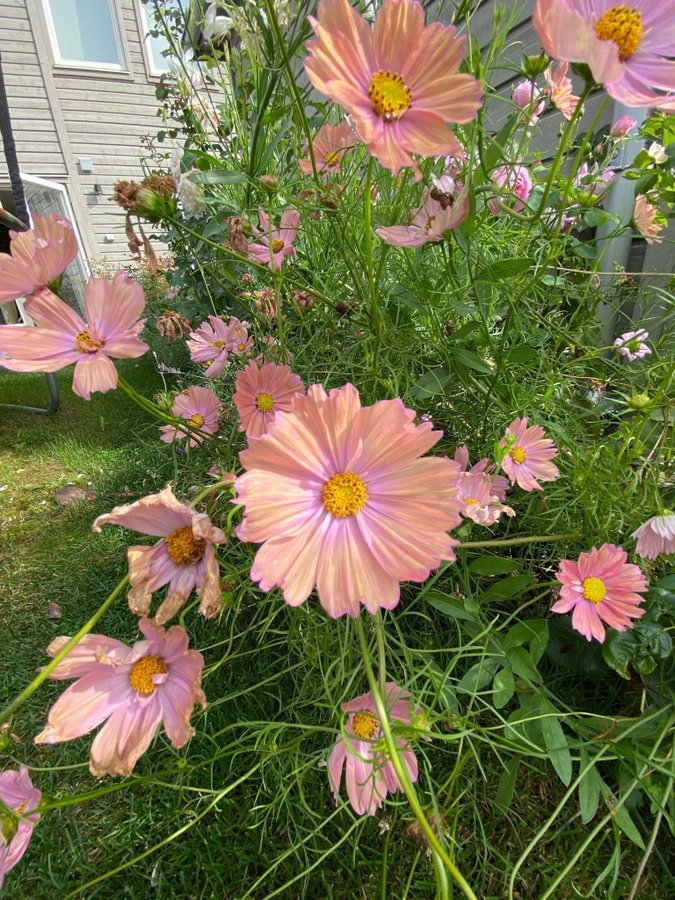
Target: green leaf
[
  {"x": 449, "y": 606},
  {"x": 507, "y": 784},
  {"x": 494, "y": 152},
  {"x": 589, "y": 789},
  {"x": 217, "y": 176},
  {"x": 506, "y": 588},
  {"x": 494, "y": 565},
  {"x": 533, "y": 632},
  {"x": 556, "y": 742},
  {"x": 470, "y": 360},
  {"x": 505, "y": 268},
  {"x": 478, "y": 676},
  {"x": 622, "y": 817},
  {"x": 503, "y": 687},
  {"x": 522, "y": 664},
  {"x": 431, "y": 383}
]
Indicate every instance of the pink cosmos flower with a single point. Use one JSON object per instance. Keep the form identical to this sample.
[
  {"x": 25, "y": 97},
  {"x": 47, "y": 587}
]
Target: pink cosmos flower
[
  {"x": 239, "y": 343},
  {"x": 62, "y": 337},
  {"x": 361, "y": 753},
  {"x": 17, "y": 793},
  {"x": 623, "y": 127},
  {"x": 656, "y": 536},
  {"x": 261, "y": 393},
  {"x": 559, "y": 89},
  {"x": 513, "y": 180},
  {"x": 600, "y": 587},
  {"x": 183, "y": 559},
  {"x": 432, "y": 222},
  {"x": 398, "y": 80},
  {"x": 528, "y": 455},
  {"x": 36, "y": 257},
  {"x": 498, "y": 486},
  {"x": 275, "y": 245},
  {"x": 200, "y": 408},
  {"x": 209, "y": 342},
  {"x": 131, "y": 689},
  {"x": 528, "y": 97},
  {"x": 632, "y": 344},
  {"x": 330, "y": 145},
  {"x": 478, "y": 502},
  {"x": 339, "y": 498},
  {"x": 628, "y": 46},
  {"x": 644, "y": 219}
]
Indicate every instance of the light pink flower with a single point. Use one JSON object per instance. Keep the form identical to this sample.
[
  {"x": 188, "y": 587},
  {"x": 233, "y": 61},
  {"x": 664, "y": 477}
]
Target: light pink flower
[
  {"x": 593, "y": 181},
  {"x": 17, "y": 793},
  {"x": 398, "y": 80},
  {"x": 440, "y": 213},
  {"x": 330, "y": 145},
  {"x": 528, "y": 97},
  {"x": 514, "y": 181},
  {"x": 362, "y": 754},
  {"x": 275, "y": 245},
  {"x": 131, "y": 689},
  {"x": 632, "y": 344},
  {"x": 528, "y": 455},
  {"x": 623, "y": 127},
  {"x": 559, "y": 89},
  {"x": 200, "y": 408},
  {"x": 183, "y": 559},
  {"x": 37, "y": 257},
  {"x": 644, "y": 219},
  {"x": 478, "y": 502},
  {"x": 600, "y": 587},
  {"x": 339, "y": 498},
  {"x": 261, "y": 393},
  {"x": 628, "y": 46},
  {"x": 62, "y": 337},
  {"x": 499, "y": 485},
  {"x": 656, "y": 536},
  {"x": 238, "y": 342},
  {"x": 209, "y": 342}
]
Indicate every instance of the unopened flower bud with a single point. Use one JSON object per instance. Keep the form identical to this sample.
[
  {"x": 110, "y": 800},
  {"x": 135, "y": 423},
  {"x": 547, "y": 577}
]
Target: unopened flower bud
[
  {"x": 639, "y": 401},
  {"x": 535, "y": 65},
  {"x": 268, "y": 183}
]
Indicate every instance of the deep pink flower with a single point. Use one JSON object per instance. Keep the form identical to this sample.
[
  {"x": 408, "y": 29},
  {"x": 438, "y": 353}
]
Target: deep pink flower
[
  {"x": 600, "y": 587},
  {"x": 623, "y": 127},
  {"x": 398, "y": 80},
  {"x": 261, "y": 393},
  {"x": 528, "y": 97},
  {"x": 36, "y": 257},
  {"x": 514, "y": 181},
  {"x": 17, "y": 793},
  {"x": 628, "y": 46},
  {"x": 209, "y": 342},
  {"x": 528, "y": 455},
  {"x": 200, "y": 408},
  {"x": 62, "y": 337},
  {"x": 339, "y": 498},
  {"x": 632, "y": 344},
  {"x": 559, "y": 89},
  {"x": 645, "y": 219},
  {"x": 131, "y": 689},
  {"x": 432, "y": 222},
  {"x": 656, "y": 536},
  {"x": 275, "y": 245},
  {"x": 330, "y": 145},
  {"x": 362, "y": 754}
]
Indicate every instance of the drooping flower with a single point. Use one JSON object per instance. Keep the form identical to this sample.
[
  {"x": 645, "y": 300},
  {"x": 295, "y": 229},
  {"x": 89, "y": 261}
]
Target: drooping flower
[
  {"x": 632, "y": 344},
  {"x": 361, "y": 753},
  {"x": 514, "y": 182},
  {"x": 238, "y": 342},
  {"x": 330, "y": 145},
  {"x": 172, "y": 325},
  {"x": 559, "y": 89},
  {"x": 478, "y": 502},
  {"x": 656, "y": 536},
  {"x": 19, "y": 795},
  {"x": 37, "y": 257},
  {"x": 440, "y": 213},
  {"x": 209, "y": 342},
  {"x": 183, "y": 559},
  {"x": 339, "y": 498},
  {"x": 528, "y": 455},
  {"x": 131, "y": 689},
  {"x": 498, "y": 486},
  {"x": 200, "y": 408},
  {"x": 274, "y": 245},
  {"x": 628, "y": 46},
  {"x": 623, "y": 126},
  {"x": 600, "y": 587},
  {"x": 62, "y": 337},
  {"x": 645, "y": 216},
  {"x": 261, "y": 393},
  {"x": 528, "y": 97},
  {"x": 398, "y": 79}
]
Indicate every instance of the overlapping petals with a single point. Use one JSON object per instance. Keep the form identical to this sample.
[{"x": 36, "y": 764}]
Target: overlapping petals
[
  {"x": 261, "y": 393},
  {"x": 330, "y": 145},
  {"x": 529, "y": 454},
  {"x": 19, "y": 795},
  {"x": 275, "y": 244},
  {"x": 432, "y": 222},
  {"x": 655, "y": 536},
  {"x": 37, "y": 257},
  {"x": 200, "y": 408}
]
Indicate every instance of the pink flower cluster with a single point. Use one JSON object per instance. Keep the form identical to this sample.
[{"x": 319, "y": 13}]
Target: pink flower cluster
[
  {"x": 444, "y": 207},
  {"x": 515, "y": 183},
  {"x": 480, "y": 493},
  {"x": 215, "y": 339}
]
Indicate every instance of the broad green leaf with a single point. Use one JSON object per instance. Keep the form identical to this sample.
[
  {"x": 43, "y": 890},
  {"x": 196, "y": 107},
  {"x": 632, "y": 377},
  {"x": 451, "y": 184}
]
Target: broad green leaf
[
  {"x": 494, "y": 565},
  {"x": 522, "y": 665},
  {"x": 217, "y": 176},
  {"x": 533, "y": 632},
  {"x": 589, "y": 790},
  {"x": 449, "y": 606},
  {"x": 622, "y": 817},
  {"x": 503, "y": 687},
  {"x": 431, "y": 383},
  {"x": 478, "y": 676},
  {"x": 506, "y": 588},
  {"x": 507, "y": 784},
  {"x": 470, "y": 360},
  {"x": 556, "y": 743},
  {"x": 505, "y": 268}
]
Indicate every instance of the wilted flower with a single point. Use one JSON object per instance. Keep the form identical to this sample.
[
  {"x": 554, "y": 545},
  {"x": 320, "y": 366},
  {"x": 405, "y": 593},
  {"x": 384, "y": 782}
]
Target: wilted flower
[
  {"x": 191, "y": 196},
  {"x": 478, "y": 502},
  {"x": 275, "y": 245},
  {"x": 303, "y": 299},
  {"x": 632, "y": 344},
  {"x": 330, "y": 144},
  {"x": 656, "y": 536},
  {"x": 514, "y": 181},
  {"x": 432, "y": 222},
  {"x": 37, "y": 257},
  {"x": 19, "y": 795},
  {"x": 528, "y": 455},
  {"x": 172, "y": 325},
  {"x": 200, "y": 408},
  {"x": 499, "y": 485},
  {"x": 266, "y": 302},
  {"x": 623, "y": 127},
  {"x": 262, "y": 392},
  {"x": 559, "y": 89},
  {"x": 645, "y": 216}
]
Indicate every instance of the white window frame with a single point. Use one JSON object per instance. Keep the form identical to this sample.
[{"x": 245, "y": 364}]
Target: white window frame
[
  {"x": 144, "y": 23},
  {"x": 90, "y": 65}
]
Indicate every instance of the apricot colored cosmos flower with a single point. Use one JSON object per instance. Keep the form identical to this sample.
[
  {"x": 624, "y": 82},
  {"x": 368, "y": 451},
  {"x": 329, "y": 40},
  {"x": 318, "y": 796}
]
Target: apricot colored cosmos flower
[
  {"x": 239, "y": 342},
  {"x": 183, "y": 559},
  {"x": 200, "y": 408},
  {"x": 62, "y": 337},
  {"x": 17, "y": 793},
  {"x": 398, "y": 79},
  {"x": 656, "y": 536},
  {"x": 339, "y": 498},
  {"x": 632, "y": 344},
  {"x": 528, "y": 455},
  {"x": 330, "y": 145},
  {"x": 499, "y": 485},
  {"x": 559, "y": 89},
  {"x": 37, "y": 257},
  {"x": 432, "y": 222},
  {"x": 628, "y": 46},
  {"x": 262, "y": 392},
  {"x": 645, "y": 219},
  {"x": 514, "y": 182},
  {"x": 478, "y": 501},
  {"x": 600, "y": 587},
  {"x": 361, "y": 754},
  {"x": 274, "y": 245},
  {"x": 209, "y": 343},
  {"x": 131, "y": 689}
]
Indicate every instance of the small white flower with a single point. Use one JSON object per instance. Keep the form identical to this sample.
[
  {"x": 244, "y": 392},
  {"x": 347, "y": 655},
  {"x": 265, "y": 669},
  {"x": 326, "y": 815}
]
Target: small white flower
[{"x": 657, "y": 153}]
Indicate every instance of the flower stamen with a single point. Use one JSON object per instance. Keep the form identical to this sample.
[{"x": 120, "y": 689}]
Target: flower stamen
[
  {"x": 264, "y": 402},
  {"x": 277, "y": 245},
  {"x": 623, "y": 25},
  {"x": 517, "y": 454},
  {"x": 390, "y": 95},
  {"x": 364, "y": 725},
  {"x": 85, "y": 343},
  {"x": 140, "y": 676},
  {"x": 593, "y": 589},
  {"x": 344, "y": 494},
  {"x": 197, "y": 420},
  {"x": 183, "y": 548}
]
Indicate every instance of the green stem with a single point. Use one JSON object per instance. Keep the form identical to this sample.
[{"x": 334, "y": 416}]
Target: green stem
[
  {"x": 531, "y": 539},
  {"x": 375, "y": 314}
]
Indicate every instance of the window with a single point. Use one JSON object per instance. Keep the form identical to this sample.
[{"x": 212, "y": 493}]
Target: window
[
  {"x": 156, "y": 47},
  {"x": 84, "y": 33}
]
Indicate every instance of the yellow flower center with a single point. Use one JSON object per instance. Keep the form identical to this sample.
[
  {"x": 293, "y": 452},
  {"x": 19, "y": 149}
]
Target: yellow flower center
[
  {"x": 218, "y": 344},
  {"x": 277, "y": 245},
  {"x": 517, "y": 454},
  {"x": 183, "y": 547},
  {"x": 364, "y": 725},
  {"x": 622, "y": 25},
  {"x": 197, "y": 420},
  {"x": 389, "y": 95},
  {"x": 344, "y": 494},
  {"x": 241, "y": 347},
  {"x": 140, "y": 677},
  {"x": 470, "y": 501},
  {"x": 20, "y": 808},
  {"x": 85, "y": 343},
  {"x": 331, "y": 158},
  {"x": 593, "y": 589},
  {"x": 264, "y": 401}
]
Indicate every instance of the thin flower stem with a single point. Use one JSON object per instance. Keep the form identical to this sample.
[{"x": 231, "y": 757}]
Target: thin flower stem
[
  {"x": 154, "y": 410},
  {"x": 226, "y": 482},
  {"x": 531, "y": 539},
  {"x": 375, "y": 315},
  {"x": 402, "y": 773}
]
